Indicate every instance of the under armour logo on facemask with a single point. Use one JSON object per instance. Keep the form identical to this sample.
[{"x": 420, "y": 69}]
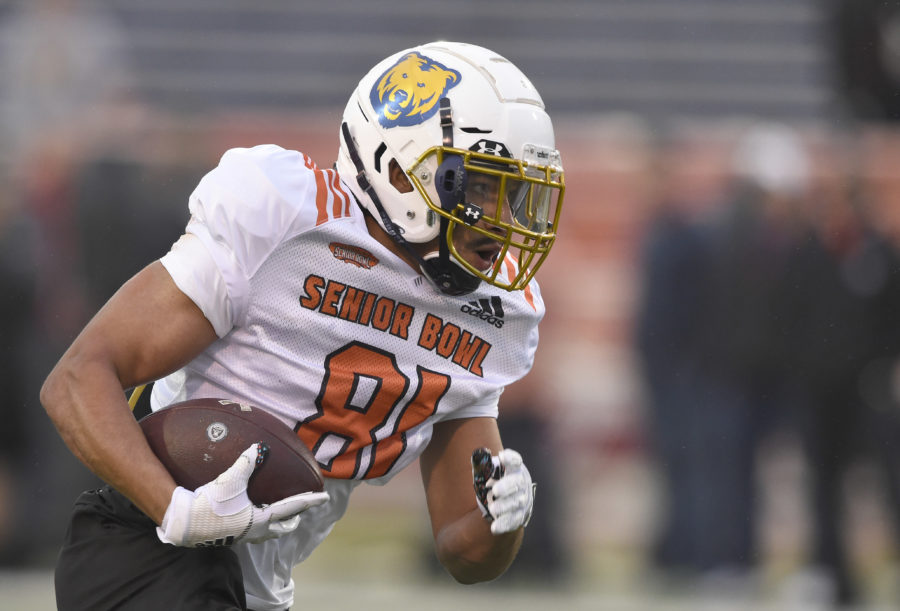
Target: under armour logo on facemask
[{"x": 472, "y": 213}]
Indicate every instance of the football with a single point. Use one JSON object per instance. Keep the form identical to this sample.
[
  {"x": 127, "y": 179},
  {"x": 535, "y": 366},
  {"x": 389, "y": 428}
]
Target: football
[{"x": 197, "y": 440}]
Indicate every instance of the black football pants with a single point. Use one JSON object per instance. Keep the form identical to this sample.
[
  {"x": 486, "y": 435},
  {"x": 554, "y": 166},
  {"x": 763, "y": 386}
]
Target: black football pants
[{"x": 112, "y": 559}]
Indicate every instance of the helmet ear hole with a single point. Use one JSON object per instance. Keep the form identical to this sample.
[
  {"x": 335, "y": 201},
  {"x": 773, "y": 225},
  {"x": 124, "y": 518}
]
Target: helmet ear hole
[{"x": 399, "y": 179}]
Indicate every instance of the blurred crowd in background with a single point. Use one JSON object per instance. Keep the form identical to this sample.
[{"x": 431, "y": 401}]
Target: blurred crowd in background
[
  {"x": 771, "y": 313},
  {"x": 723, "y": 300}
]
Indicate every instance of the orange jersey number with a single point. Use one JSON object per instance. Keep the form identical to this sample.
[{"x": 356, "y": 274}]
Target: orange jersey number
[{"x": 360, "y": 428}]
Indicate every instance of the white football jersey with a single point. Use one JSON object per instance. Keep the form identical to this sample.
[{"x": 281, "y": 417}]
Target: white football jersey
[{"x": 325, "y": 328}]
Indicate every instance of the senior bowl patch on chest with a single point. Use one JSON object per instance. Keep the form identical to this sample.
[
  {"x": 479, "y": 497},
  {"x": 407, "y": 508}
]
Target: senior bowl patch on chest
[{"x": 354, "y": 255}]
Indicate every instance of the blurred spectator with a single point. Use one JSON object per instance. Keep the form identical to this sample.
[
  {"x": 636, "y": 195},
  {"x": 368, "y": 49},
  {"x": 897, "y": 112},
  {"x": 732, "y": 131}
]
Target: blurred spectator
[
  {"x": 850, "y": 336},
  {"x": 880, "y": 378},
  {"x": 64, "y": 73},
  {"x": 674, "y": 270},
  {"x": 128, "y": 211},
  {"x": 17, "y": 260},
  {"x": 750, "y": 339},
  {"x": 716, "y": 336}
]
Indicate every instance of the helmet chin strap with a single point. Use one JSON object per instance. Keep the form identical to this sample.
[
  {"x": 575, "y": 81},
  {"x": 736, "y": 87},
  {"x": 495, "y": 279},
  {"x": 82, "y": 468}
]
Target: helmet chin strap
[{"x": 450, "y": 180}]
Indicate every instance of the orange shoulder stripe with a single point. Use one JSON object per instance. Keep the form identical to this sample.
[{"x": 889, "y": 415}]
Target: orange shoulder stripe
[
  {"x": 339, "y": 205},
  {"x": 336, "y": 182},
  {"x": 529, "y": 297},
  {"x": 511, "y": 273},
  {"x": 321, "y": 197}
]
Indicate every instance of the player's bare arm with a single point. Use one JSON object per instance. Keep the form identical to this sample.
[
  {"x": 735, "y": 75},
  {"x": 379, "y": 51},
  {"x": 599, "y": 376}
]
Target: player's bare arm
[
  {"x": 463, "y": 540},
  {"x": 147, "y": 329}
]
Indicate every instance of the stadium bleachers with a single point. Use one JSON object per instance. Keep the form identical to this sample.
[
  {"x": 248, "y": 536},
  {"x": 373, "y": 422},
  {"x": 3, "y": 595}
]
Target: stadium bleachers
[{"x": 660, "y": 58}]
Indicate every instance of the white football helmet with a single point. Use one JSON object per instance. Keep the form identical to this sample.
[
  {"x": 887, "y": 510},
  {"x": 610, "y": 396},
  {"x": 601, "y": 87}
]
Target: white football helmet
[{"x": 446, "y": 112}]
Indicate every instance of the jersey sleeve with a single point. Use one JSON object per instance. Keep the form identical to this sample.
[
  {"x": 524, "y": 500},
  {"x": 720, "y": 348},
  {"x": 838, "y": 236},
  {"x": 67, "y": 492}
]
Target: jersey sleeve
[
  {"x": 523, "y": 311},
  {"x": 528, "y": 308},
  {"x": 194, "y": 271},
  {"x": 487, "y": 407},
  {"x": 240, "y": 212}
]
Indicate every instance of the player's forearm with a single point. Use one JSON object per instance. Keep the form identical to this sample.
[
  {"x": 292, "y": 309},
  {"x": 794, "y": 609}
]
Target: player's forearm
[
  {"x": 86, "y": 404},
  {"x": 471, "y": 553}
]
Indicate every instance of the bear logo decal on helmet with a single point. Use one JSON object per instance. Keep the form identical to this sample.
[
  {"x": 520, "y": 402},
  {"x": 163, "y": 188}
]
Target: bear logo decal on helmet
[{"x": 408, "y": 92}]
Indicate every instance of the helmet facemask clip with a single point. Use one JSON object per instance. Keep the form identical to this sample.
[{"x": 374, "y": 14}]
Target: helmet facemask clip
[{"x": 450, "y": 181}]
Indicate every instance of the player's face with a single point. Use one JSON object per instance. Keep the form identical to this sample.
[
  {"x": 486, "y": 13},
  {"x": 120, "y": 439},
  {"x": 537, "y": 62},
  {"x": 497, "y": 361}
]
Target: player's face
[{"x": 480, "y": 250}]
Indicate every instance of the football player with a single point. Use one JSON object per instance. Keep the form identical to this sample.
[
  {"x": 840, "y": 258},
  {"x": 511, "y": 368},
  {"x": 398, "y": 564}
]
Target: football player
[{"x": 379, "y": 308}]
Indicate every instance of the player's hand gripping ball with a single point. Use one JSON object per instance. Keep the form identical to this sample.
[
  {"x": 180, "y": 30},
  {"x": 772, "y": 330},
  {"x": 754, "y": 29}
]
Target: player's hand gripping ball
[
  {"x": 241, "y": 473},
  {"x": 220, "y": 513},
  {"x": 503, "y": 489}
]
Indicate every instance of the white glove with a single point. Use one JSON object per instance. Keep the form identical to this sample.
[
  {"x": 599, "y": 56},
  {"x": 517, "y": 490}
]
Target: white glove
[
  {"x": 503, "y": 489},
  {"x": 220, "y": 513}
]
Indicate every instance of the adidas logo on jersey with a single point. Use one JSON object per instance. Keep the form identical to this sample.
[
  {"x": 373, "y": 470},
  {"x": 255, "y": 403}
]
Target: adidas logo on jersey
[{"x": 490, "y": 310}]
